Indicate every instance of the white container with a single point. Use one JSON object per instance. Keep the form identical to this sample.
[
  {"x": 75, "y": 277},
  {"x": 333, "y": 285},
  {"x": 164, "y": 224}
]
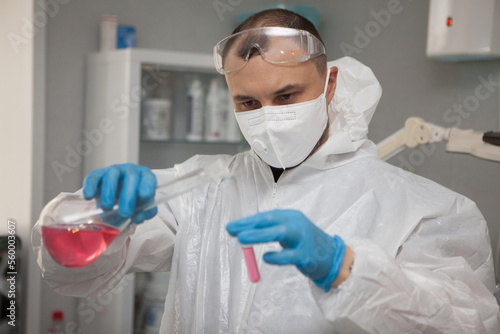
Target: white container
[
  {"x": 463, "y": 29},
  {"x": 109, "y": 26},
  {"x": 195, "y": 110},
  {"x": 215, "y": 110},
  {"x": 156, "y": 119}
]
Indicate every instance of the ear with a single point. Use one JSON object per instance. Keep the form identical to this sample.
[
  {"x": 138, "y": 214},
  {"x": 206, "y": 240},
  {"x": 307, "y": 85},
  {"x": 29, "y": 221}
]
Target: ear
[{"x": 332, "y": 84}]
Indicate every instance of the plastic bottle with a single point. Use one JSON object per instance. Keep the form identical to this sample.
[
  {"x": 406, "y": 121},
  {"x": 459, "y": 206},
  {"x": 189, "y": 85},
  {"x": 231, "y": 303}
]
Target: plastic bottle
[
  {"x": 57, "y": 326},
  {"x": 156, "y": 119},
  {"x": 195, "y": 110},
  {"x": 157, "y": 113},
  {"x": 125, "y": 37},
  {"x": 109, "y": 25},
  {"x": 214, "y": 113}
]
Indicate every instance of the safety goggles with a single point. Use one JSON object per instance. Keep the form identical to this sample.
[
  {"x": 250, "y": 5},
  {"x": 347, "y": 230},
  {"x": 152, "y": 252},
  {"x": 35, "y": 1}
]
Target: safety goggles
[{"x": 276, "y": 45}]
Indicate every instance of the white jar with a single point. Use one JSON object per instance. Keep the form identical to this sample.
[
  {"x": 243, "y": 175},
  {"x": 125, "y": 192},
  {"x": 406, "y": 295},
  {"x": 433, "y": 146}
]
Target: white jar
[{"x": 156, "y": 119}]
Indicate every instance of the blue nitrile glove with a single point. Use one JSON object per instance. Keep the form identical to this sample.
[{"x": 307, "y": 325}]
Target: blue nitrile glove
[
  {"x": 133, "y": 183},
  {"x": 316, "y": 254}
]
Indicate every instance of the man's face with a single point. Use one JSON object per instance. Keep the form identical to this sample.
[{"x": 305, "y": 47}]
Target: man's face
[{"x": 260, "y": 83}]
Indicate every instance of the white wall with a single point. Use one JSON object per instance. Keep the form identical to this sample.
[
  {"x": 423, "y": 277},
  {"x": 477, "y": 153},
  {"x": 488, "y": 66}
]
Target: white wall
[{"x": 22, "y": 145}]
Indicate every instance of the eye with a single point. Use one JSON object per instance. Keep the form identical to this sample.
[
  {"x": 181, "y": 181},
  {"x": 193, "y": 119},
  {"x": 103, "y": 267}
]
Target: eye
[
  {"x": 249, "y": 104},
  {"x": 286, "y": 98}
]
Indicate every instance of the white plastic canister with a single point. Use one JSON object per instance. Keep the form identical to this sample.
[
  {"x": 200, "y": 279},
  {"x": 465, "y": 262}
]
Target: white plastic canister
[{"x": 156, "y": 119}]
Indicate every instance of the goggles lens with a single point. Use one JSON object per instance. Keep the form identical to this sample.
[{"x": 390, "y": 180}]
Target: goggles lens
[{"x": 275, "y": 44}]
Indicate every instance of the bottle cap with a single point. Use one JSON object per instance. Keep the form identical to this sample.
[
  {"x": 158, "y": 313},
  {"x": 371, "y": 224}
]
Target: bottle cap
[
  {"x": 57, "y": 315},
  {"x": 109, "y": 18}
]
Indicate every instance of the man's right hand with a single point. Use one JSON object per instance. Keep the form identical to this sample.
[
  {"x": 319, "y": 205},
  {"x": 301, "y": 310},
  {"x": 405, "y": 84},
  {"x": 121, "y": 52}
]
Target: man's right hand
[{"x": 130, "y": 184}]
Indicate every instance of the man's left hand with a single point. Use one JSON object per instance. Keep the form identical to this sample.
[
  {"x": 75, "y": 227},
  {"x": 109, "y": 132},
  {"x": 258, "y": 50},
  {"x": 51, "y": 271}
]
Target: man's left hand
[{"x": 316, "y": 254}]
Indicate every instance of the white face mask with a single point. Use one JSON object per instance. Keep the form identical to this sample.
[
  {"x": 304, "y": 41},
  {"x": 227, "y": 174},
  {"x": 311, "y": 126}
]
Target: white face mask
[{"x": 284, "y": 136}]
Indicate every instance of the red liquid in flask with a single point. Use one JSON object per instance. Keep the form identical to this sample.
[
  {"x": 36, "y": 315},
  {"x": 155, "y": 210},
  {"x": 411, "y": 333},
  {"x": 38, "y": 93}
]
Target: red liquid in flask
[{"x": 77, "y": 246}]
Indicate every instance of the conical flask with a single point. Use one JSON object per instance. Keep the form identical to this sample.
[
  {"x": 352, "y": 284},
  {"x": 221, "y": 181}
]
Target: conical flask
[{"x": 76, "y": 231}]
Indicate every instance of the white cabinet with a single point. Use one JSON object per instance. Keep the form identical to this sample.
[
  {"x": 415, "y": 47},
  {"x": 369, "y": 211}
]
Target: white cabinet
[{"x": 117, "y": 82}]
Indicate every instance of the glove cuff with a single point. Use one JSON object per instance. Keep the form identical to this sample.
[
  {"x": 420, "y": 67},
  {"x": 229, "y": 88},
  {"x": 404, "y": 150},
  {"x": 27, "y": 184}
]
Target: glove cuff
[{"x": 339, "y": 250}]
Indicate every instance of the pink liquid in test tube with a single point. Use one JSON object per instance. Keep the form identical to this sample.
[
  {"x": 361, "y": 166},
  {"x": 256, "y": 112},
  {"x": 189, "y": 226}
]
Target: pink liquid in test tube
[{"x": 253, "y": 270}]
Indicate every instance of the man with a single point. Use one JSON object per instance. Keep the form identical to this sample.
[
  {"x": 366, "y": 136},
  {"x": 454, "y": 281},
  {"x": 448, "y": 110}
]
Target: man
[{"x": 344, "y": 241}]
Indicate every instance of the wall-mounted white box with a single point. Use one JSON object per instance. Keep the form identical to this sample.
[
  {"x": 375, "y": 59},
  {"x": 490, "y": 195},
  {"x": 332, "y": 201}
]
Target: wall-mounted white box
[{"x": 463, "y": 29}]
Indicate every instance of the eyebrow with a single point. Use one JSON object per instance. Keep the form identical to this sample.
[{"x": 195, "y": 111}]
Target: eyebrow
[
  {"x": 242, "y": 97},
  {"x": 289, "y": 88},
  {"x": 282, "y": 90}
]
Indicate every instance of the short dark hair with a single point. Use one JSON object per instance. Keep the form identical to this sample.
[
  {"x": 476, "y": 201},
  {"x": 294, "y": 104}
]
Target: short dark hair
[{"x": 287, "y": 19}]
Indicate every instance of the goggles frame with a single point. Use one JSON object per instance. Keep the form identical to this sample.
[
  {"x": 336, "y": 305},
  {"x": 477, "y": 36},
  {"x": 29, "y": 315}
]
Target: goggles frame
[{"x": 309, "y": 47}]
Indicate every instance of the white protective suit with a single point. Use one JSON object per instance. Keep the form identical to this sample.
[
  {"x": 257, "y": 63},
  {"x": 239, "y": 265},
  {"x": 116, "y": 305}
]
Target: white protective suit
[{"x": 423, "y": 261}]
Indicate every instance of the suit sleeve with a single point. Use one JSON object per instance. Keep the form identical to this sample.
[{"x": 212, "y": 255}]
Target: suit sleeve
[{"x": 441, "y": 281}]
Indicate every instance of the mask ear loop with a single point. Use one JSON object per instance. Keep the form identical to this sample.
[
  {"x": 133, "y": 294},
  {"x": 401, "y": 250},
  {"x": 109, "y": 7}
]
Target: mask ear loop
[{"x": 327, "y": 78}]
